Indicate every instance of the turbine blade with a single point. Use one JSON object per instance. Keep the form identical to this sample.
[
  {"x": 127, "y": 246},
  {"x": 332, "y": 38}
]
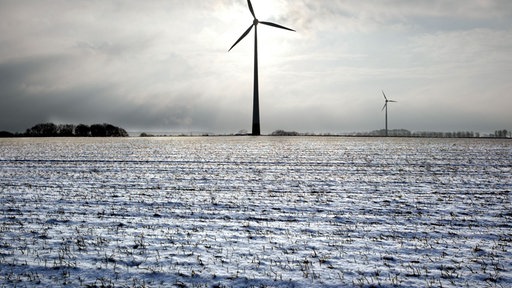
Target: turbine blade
[
  {"x": 242, "y": 37},
  {"x": 392, "y": 101},
  {"x": 384, "y": 95},
  {"x": 250, "y": 8},
  {"x": 275, "y": 25},
  {"x": 384, "y": 106}
]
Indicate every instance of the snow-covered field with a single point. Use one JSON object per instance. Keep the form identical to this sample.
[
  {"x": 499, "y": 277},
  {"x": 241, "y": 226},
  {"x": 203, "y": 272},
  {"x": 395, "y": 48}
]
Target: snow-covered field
[{"x": 265, "y": 211}]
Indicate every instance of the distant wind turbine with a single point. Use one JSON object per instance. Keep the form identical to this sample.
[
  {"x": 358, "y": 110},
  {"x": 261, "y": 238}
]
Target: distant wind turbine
[
  {"x": 386, "y": 100},
  {"x": 255, "y": 105}
]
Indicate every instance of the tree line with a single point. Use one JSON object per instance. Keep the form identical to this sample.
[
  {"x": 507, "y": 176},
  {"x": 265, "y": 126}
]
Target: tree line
[
  {"x": 432, "y": 134},
  {"x": 69, "y": 130},
  {"x": 406, "y": 133}
]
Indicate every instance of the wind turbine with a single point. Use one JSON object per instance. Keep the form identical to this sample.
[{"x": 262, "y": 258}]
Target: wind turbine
[
  {"x": 386, "y": 100},
  {"x": 255, "y": 105}
]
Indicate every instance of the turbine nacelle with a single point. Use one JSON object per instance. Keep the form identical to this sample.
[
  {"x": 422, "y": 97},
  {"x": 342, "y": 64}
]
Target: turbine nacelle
[
  {"x": 255, "y": 22},
  {"x": 386, "y": 100}
]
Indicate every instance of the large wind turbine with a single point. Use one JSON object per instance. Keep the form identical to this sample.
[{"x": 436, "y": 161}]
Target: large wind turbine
[
  {"x": 386, "y": 100},
  {"x": 255, "y": 105}
]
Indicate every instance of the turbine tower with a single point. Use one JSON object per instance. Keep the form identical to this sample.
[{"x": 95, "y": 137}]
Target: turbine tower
[
  {"x": 255, "y": 104},
  {"x": 386, "y": 100}
]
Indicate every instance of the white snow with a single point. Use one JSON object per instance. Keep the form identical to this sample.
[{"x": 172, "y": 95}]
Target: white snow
[{"x": 264, "y": 211}]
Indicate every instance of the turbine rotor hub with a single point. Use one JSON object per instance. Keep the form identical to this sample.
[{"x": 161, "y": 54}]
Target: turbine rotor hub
[{"x": 255, "y": 22}]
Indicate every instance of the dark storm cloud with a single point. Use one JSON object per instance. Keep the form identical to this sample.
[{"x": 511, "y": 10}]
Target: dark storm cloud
[
  {"x": 163, "y": 65},
  {"x": 41, "y": 89},
  {"x": 22, "y": 100}
]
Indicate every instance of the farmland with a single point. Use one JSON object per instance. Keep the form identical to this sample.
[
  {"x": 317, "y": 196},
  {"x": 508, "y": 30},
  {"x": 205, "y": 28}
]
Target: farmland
[{"x": 265, "y": 211}]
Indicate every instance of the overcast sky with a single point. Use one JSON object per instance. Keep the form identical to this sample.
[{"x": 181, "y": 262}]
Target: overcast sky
[{"x": 164, "y": 65}]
